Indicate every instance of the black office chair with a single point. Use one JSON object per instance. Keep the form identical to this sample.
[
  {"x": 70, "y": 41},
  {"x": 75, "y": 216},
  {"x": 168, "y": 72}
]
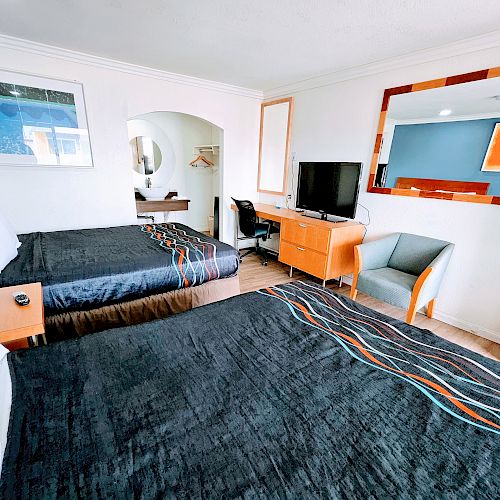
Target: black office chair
[{"x": 252, "y": 229}]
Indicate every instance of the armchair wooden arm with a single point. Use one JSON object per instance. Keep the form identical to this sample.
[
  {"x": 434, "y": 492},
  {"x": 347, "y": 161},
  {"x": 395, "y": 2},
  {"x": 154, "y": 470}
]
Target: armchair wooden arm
[{"x": 415, "y": 296}]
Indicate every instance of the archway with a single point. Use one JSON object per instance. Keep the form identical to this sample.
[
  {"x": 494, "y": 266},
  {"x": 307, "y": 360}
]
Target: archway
[{"x": 181, "y": 138}]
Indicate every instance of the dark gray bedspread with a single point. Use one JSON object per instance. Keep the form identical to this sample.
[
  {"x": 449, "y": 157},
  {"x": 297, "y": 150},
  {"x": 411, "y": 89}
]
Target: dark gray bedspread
[
  {"x": 291, "y": 392},
  {"x": 89, "y": 268}
]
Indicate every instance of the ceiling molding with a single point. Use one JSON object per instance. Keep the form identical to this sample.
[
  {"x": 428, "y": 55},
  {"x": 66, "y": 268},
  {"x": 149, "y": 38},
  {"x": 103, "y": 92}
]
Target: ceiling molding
[
  {"x": 469, "y": 45},
  {"x": 42, "y": 49}
]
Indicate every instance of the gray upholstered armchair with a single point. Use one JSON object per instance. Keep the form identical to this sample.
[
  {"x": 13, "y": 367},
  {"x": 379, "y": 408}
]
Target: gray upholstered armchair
[{"x": 402, "y": 269}]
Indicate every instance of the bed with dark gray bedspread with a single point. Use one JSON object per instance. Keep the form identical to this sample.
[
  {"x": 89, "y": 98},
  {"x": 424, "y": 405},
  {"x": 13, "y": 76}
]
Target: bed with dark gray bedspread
[
  {"x": 89, "y": 268},
  {"x": 289, "y": 392}
]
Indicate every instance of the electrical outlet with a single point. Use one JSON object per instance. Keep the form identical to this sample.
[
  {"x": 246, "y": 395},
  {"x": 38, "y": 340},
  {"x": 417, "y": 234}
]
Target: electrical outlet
[{"x": 289, "y": 196}]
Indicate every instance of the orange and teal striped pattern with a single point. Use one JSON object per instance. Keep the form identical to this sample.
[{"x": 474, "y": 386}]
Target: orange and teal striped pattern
[
  {"x": 194, "y": 258},
  {"x": 451, "y": 377}
]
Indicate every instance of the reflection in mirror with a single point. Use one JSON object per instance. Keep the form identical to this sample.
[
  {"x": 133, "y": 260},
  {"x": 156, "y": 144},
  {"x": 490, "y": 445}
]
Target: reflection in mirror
[
  {"x": 146, "y": 155},
  {"x": 441, "y": 138},
  {"x": 275, "y": 129}
]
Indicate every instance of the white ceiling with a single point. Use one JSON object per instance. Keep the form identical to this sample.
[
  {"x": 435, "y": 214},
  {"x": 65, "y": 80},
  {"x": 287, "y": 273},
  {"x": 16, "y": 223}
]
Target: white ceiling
[{"x": 259, "y": 44}]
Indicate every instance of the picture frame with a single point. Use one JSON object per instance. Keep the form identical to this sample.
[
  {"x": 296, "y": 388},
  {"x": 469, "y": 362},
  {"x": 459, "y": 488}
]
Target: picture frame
[
  {"x": 491, "y": 161},
  {"x": 43, "y": 122}
]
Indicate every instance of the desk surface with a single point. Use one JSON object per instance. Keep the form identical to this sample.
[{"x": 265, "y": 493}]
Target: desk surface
[{"x": 270, "y": 212}]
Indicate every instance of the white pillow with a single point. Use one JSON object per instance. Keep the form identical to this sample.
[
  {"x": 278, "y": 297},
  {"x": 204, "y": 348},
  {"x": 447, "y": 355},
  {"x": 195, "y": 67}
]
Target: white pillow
[
  {"x": 10, "y": 228},
  {"x": 5, "y": 401},
  {"x": 8, "y": 245}
]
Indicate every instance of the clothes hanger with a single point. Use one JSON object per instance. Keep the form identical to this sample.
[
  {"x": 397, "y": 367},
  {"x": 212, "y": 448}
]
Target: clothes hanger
[{"x": 203, "y": 159}]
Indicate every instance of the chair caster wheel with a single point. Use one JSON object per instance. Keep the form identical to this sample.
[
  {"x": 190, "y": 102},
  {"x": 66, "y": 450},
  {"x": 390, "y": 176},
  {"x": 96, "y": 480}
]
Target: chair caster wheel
[{"x": 264, "y": 264}]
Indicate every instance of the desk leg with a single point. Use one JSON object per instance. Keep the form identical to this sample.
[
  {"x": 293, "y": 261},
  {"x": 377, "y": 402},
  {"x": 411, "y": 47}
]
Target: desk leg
[
  {"x": 324, "y": 283},
  {"x": 340, "y": 282},
  {"x": 291, "y": 272}
]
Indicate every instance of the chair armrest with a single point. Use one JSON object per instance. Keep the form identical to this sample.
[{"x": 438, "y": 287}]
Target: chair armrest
[
  {"x": 376, "y": 254},
  {"x": 430, "y": 287}
]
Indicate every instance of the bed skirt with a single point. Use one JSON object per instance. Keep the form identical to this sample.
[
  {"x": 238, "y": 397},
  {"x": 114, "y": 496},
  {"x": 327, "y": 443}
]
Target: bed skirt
[{"x": 78, "y": 323}]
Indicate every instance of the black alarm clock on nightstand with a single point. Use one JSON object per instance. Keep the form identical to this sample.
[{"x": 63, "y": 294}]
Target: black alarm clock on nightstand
[{"x": 21, "y": 298}]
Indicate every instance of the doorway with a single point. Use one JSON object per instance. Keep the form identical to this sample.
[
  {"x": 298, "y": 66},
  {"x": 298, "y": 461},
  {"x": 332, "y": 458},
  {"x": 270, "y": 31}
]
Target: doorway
[{"x": 188, "y": 161}]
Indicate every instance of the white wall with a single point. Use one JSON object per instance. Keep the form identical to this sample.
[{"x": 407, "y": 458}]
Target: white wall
[
  {"x": 388, "y": 135},
  {"x": 39, "y": 199},
  {"x": 338, "y": 122},
  {"x": 182, "y": 133}
]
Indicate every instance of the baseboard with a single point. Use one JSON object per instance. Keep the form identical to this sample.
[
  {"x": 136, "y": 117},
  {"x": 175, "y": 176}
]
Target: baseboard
[
  {"x": 347, "y": 279},
  {"x": 468, "y": 327},
  {"x": 270, "y": 249}
]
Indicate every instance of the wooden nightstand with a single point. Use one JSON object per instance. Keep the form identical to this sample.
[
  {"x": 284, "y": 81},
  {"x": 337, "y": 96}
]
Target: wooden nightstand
[{"x": 17, "y": 323}]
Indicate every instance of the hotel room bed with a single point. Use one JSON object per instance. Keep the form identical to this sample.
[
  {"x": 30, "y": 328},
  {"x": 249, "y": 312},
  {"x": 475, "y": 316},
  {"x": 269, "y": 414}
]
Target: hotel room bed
[
  {"x": 291, "y": 391},
  {"x": 98, "y": 278}
]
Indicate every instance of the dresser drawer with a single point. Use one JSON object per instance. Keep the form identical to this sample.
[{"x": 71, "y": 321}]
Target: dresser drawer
[
  {"x": 305, "y": 235},
  {"x": 304, "y": 259}
]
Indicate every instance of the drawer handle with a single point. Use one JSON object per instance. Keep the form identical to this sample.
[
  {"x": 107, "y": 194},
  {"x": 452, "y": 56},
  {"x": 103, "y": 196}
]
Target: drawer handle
[
  {"x": 302, "y": 225},
  {"x": 301, "y": 249}
]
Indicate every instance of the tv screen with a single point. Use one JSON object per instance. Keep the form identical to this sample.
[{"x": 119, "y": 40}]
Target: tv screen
[{"x": 329, "y": 187}]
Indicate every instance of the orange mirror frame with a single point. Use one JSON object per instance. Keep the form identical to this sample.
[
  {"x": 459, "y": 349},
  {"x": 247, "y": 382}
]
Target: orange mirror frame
[{"x": 422, "y": 192}]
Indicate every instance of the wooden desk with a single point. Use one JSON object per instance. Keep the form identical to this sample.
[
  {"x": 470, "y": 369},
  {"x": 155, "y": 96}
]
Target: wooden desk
[
  {"x": 321, "y": 248},
  {"x": 17, "y": 323}
]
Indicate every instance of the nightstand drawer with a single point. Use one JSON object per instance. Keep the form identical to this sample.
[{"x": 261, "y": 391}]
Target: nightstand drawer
[
  {"x": 305, "y": 235},
  {"x": 302, "y": 258}
]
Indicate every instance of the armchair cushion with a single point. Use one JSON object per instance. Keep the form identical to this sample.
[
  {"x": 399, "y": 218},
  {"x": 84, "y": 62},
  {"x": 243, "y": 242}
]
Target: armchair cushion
[
  {"x": 414, "y": 253},
  {"x": 376, "y": 254},
  {"x": 387, "y": 284}
]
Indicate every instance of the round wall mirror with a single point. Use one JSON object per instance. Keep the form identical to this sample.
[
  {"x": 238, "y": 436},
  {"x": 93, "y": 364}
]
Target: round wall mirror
[{"x": 146, "y": 155}]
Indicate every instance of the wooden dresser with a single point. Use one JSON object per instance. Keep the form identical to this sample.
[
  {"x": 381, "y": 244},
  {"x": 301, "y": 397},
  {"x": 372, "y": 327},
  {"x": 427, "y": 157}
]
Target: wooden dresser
[
  {"x": 320, "y": 248},
  {"x": 323, "y": 249}
]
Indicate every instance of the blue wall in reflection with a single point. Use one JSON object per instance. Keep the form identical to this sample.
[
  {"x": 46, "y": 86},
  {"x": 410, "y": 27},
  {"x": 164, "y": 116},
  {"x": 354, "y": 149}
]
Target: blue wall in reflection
[{"x": 446, "y": 150}]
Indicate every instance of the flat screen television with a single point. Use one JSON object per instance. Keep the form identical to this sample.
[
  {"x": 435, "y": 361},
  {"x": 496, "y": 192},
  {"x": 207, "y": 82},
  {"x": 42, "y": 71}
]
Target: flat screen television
[{"x": 329, "y": 188}]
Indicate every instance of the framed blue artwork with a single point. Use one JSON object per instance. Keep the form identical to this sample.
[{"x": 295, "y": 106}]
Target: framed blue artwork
[{"x": 43, "y": 122}]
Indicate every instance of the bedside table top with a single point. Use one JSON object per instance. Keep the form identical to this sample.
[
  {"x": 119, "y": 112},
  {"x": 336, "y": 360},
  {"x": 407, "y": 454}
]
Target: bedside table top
[{"x": 21, "y": 321}]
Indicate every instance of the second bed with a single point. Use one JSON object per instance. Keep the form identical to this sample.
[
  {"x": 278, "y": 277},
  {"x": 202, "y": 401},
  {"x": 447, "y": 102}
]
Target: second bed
[{"x": 95, "y": 279}]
